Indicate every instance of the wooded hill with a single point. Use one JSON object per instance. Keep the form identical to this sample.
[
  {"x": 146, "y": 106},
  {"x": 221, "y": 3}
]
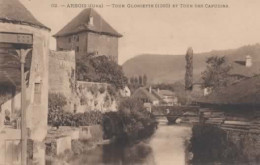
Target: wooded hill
[{"x": 171, "y": 68}]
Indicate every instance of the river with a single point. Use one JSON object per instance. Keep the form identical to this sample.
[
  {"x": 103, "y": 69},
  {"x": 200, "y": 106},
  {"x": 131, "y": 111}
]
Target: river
[{"x": 165, "y": 147}]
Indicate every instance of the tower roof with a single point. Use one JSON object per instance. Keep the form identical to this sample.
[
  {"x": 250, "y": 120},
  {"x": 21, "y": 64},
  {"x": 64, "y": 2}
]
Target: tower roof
[
  {"x": 83, "y": 22},
  {"x": 13, "y": 11}
]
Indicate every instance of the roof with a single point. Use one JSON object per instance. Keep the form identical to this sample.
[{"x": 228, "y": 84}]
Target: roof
[
  {"x": 166, "y": 93},
  {"x": 244, "y": 92},
  {"x": 239, "y": 68},
  {"x": 13, "y": 11},
  {"x": 81, "y": 23},
  {"x": 143, "y": 93},
  {"x": 238, "y": 63}
]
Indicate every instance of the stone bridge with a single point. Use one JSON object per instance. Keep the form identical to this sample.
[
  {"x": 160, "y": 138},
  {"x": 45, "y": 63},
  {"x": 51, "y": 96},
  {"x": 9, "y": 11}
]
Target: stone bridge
[{"x": 187, "y": 114}]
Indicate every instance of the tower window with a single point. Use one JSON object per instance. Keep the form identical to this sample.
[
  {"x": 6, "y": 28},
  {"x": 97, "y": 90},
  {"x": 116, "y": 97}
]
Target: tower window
[{"x": 77, "y": 49}]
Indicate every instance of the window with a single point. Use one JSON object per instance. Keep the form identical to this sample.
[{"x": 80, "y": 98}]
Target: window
[
  {"x": 77, "y": 38},
  {"x": 37, "y": 93},
  {"x": 77, "y": 49},
  {"x": 69, "y": 40}
]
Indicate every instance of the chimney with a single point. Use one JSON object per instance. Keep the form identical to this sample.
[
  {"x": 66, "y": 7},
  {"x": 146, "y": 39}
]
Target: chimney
[
  {"x": 91, "y": 21},
  {"x": 150, "y": 89},
  {"x": 249, "y": 62}
]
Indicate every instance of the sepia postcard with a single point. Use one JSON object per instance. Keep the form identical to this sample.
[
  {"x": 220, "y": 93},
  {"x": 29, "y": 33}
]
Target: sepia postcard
[{"x": 129, "y": 82}]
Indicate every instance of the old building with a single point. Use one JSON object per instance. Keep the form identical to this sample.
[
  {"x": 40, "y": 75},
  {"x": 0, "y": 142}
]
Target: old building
[
  {"x": 89, "y": 34},
  {"x": 146, "y": 96},
  {"x": 21, "y": 34},
  {"x": 168, "y": 97},
  {"x": 241, "y": 68}
]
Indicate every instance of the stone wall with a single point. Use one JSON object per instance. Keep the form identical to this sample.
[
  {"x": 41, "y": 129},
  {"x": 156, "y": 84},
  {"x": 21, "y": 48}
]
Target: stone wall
[
  {"x": 89, "y": 43},
  {"x": 94, "y": 96},
  {"x": 63, "y": 43},
  {"x": 104, "y": 44},
  {"x": 62, "y": 72},
  {"x": 62, "y": 68},
  {"x": 81, "y": 96}
]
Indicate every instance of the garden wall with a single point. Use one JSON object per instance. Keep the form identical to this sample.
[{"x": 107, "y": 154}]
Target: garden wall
[
  {"x": 94, "y": 96},
  {"x": 80, "y": 96}
]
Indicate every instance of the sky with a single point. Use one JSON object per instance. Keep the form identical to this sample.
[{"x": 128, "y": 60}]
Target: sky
[{"x": 164, "y": 30}]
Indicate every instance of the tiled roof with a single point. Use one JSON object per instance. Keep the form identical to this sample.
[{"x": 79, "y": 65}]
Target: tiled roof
[
  {"x": 13, "y": 11},
  {"x": 81, "y": 23},
  {"x": 245, "y": 92}
]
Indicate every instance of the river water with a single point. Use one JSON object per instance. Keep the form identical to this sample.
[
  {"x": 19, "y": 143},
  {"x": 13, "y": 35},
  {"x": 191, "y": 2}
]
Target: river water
[{"x": 165, "y": 147}]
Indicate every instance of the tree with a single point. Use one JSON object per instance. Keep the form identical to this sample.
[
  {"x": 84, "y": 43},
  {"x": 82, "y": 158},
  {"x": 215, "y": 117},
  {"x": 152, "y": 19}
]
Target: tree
[
  {"x": 141, "y": 80},
  {"x": 100, "y": 69},
  {"x": 132, "y": 80},
  {"x": 144, "y": 80},
  {"x": 216, "y": 73},
  {"x": 189, "y": 69},
  {"x": 136, "y": 80}
]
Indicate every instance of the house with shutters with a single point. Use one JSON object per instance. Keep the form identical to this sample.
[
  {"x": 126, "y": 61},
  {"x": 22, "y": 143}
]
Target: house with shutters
[{"x": 89, "y": 34}]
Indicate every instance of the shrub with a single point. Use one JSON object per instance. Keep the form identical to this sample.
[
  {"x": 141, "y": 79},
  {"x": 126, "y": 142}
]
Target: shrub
[
  {"x": 210, "y": 144},
  {"x": 132, "y": 122},
  {"x": 111, "y": 91},
  {"x": 55, "y": 107},
  {"x": 102, "y": 90},
  {"x": 56, "y": 100},
  {"x": 57, "y": 117},
  {"x": 207, "y": 143},
  {"x": 100, "y": 69}
]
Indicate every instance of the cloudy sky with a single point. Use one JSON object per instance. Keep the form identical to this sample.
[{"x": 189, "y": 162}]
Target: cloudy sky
[{"x": 164, "y": 31}]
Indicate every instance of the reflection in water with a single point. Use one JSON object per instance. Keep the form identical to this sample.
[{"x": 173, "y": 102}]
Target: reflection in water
[{"x": 165, "y": 147}]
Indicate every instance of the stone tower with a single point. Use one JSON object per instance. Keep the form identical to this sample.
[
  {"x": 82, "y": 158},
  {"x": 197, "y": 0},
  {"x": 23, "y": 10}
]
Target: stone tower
[{"x": 89, "y": 34}]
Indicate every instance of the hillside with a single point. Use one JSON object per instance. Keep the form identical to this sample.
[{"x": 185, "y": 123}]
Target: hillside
[{"x": 171, "y": 68}]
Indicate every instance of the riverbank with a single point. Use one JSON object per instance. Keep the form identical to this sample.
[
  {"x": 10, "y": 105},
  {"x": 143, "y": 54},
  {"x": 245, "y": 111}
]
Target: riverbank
[{"x": 165, "y": 146}]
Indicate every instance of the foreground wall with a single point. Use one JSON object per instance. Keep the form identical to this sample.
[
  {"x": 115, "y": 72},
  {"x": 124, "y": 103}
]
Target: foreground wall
[
  {"x": 37, "y": 92},
  {"x": 36, "y": 98}
]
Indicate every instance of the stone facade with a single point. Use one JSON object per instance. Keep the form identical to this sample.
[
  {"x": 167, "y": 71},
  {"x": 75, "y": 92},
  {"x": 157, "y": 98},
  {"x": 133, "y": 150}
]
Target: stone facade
[
  {"x": 89, "y": 43},
  {"x": 94, "y": 96},
  {"x": 80, "y": 96},
  {"x": 37, "y": 91},
  {"x": 62, "y": 71}
]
